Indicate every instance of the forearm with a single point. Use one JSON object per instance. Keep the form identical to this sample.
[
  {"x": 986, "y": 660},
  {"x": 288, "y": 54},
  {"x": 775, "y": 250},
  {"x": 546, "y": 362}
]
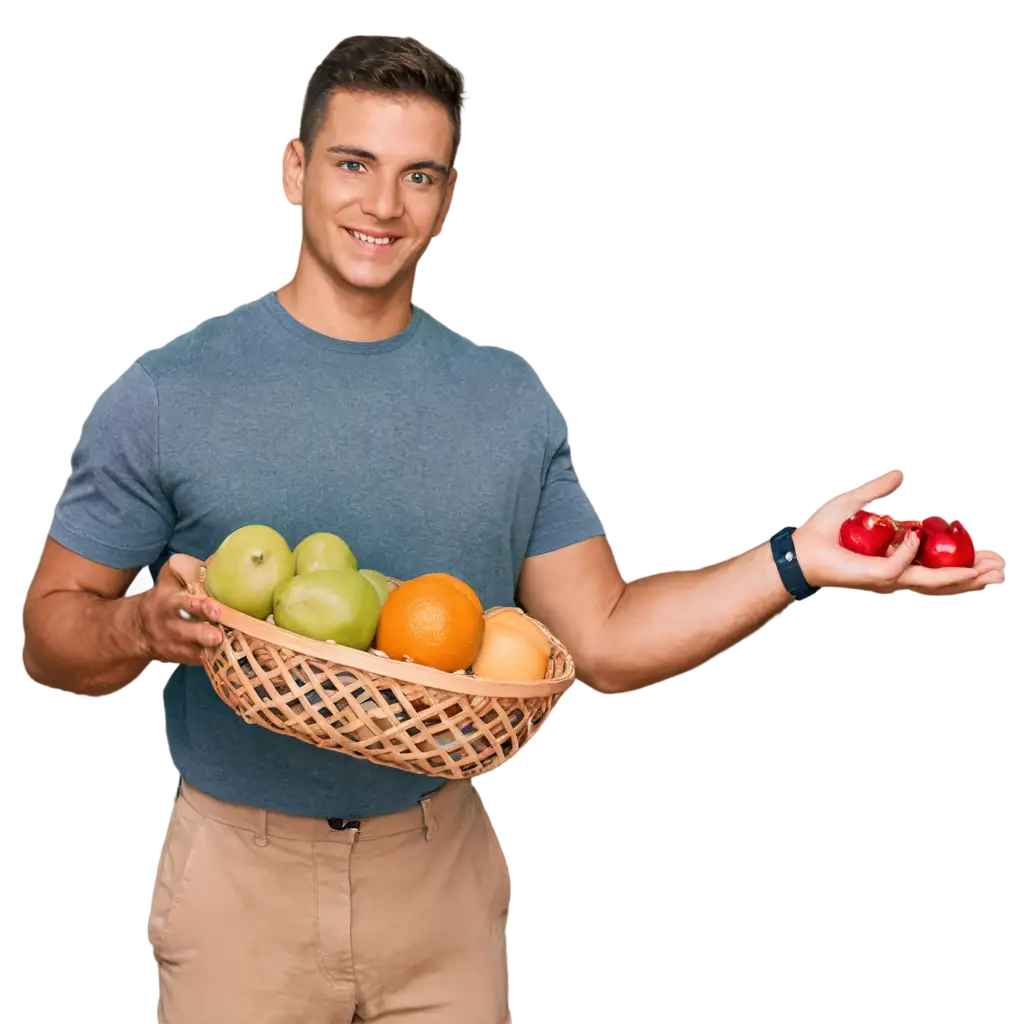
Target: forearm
[
  {"x": 84, "y": 643},
  {"x": 665, "y": 624}
]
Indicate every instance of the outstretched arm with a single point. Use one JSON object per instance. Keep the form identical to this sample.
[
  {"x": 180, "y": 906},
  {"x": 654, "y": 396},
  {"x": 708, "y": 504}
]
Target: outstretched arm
[{"x": 627, "y": 635}]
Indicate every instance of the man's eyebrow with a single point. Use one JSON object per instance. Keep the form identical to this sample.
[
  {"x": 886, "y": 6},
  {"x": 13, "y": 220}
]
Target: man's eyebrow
[
  {"x": 418, "y": 165},
  {"x": 429, "y": 165},
  {"x": 351, "y": 151}
]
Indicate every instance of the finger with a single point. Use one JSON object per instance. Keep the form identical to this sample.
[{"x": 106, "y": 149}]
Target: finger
[
  {"x": 196, "y": 634},
  {"x": 936, "y": 579},
  {"x": 988, "y": 578},
  {"x": 166, "y": 579},
  {"x": 985, "y": 553},
  {"x": 893, "y": 568},
  {"x": 195, "y": 606},
  {"x": 210, "y": 636},
  {"x": 877, "y": 488},
  {"x": 182, "y": 567},
  {"x": 844, "y": 506},
  {"x": 986, "y": 564},
  {"x": 209, "y": 608},
  {"x": 989, "y": 557},
  {"x": 876, "y": 474}
]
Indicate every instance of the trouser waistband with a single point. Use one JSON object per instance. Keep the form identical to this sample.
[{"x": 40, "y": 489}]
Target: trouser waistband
[{"x": 430, "y": 813}]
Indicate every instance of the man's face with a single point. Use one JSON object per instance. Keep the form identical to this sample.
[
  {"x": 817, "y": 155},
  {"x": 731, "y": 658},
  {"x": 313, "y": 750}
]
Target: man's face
[{"x": 378, "y": 167}]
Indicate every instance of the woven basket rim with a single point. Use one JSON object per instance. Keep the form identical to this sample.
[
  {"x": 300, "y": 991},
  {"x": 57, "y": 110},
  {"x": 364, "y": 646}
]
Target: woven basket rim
[{"x": 188, "y": 570}]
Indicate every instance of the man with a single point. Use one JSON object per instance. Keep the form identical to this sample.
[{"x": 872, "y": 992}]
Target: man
[{"x": 299, "y": 884}]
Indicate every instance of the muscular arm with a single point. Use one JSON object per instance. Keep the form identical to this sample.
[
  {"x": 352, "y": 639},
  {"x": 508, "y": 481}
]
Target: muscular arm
[
  {"x": 625, "y": 636},
  {"x": 81, "y": 632},
  {"x": 83, "y": 635}
]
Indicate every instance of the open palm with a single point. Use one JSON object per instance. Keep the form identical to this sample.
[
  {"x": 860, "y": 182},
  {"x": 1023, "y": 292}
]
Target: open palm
[{"x": 826, "y": 563}]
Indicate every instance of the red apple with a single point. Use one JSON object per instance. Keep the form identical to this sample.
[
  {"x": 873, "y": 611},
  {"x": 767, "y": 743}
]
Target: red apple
[
  {"x": 944, "y": 544},
  {"x": 867, "y": 533}
]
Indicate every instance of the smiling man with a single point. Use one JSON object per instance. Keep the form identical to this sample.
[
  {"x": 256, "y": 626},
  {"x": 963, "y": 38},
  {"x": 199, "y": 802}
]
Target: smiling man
[
  {"x": 362, "y": 235},
  {"x": 304, "y": 885}
]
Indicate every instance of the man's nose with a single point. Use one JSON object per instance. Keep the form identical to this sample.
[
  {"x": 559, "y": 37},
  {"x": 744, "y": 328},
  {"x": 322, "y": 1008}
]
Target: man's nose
[{"x": 383, "y": 200}]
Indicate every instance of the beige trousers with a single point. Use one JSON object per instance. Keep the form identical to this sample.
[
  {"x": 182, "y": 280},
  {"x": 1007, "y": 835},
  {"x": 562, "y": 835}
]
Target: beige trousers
[{"x": 267, "y": 918}]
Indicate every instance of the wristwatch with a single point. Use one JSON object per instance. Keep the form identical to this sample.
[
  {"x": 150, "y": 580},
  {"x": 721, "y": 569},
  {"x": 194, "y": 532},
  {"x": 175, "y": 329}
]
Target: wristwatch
[{"x": 784, "y": 554}]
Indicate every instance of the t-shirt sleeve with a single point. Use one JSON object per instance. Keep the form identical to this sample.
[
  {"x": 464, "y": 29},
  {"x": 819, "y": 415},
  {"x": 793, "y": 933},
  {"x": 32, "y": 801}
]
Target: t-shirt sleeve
[
  {"x": 564, "y": 515},
  {"x": 113, "y": 509}
]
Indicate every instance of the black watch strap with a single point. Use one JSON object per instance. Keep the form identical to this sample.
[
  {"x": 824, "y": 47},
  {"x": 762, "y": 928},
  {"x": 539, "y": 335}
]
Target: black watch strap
[{"x": 784, "y": 554}]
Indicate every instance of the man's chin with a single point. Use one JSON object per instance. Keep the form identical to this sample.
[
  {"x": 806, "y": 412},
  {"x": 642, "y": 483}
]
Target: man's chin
[{"x": 367, "y": 282}]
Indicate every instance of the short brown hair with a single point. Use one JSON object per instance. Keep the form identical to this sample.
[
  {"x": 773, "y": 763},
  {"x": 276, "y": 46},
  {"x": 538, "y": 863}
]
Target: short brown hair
[{"x": 381, "y": 64}]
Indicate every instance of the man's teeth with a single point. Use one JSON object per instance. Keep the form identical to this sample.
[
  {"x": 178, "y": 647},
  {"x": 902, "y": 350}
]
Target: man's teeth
[{"x": 367, "y": 238}]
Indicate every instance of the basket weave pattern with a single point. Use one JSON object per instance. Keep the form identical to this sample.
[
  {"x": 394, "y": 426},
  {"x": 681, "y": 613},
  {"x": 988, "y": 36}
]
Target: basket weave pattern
[{"x": 336, "y": 697}]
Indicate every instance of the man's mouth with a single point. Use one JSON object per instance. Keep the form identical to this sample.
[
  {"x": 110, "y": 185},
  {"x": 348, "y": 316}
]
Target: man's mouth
[{"x": 376, "y": 241}]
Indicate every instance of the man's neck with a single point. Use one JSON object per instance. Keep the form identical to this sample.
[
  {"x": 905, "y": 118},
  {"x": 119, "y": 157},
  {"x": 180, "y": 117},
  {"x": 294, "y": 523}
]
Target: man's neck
[{"x": 349, "y": 314}]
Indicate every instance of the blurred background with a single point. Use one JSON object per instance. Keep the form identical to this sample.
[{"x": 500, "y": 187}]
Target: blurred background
[{"x": 759, "y": 254}]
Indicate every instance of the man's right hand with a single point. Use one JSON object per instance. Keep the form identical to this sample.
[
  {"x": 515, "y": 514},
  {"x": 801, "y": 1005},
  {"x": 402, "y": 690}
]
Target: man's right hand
[{"x": 165, "y": 634}]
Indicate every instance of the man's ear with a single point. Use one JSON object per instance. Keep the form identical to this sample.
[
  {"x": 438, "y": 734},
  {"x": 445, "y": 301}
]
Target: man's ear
[{"x": 293, "y": 171}]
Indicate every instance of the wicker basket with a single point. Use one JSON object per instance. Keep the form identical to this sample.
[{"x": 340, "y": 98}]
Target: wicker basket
[{"x": 362, "y": 703}]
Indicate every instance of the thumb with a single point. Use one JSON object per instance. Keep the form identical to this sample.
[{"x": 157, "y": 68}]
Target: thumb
[
  {"x": 179, "y": 570},
  {"x": 872, "y": 490},
  {"x": 893, "y": 567}
]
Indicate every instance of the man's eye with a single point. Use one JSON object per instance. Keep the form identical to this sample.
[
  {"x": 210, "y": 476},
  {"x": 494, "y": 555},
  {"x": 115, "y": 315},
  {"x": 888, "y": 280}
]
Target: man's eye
[
  {"x": 346, "y": 163},
  {"x": 426, "y": 179}
]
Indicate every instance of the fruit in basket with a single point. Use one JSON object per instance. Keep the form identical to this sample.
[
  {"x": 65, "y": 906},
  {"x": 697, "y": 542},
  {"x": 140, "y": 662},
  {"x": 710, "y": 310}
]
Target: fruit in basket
[
  {"x": 323, "y": 551},
  {"x": 250, "y": 564},
  {"x": 379, "y": 582},
  {"x": 867, "y": 533},
  {"x": 433, "y": 621},
  {"x": 460, "y": 585},
  {"x": 514, "y": 649},
  {"x": 329, "y": 604}
]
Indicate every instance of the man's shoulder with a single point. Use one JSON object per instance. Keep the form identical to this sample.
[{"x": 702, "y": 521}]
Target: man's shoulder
[
  {"x": 475, "y": 360},
  {"x": 216, "y": 337}
]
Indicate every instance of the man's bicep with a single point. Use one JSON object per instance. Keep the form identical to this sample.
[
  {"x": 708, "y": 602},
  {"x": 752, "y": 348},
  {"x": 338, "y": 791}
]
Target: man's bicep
[
  {"x": 573, "y": 590},
  {"x": 61, "y": 569}
]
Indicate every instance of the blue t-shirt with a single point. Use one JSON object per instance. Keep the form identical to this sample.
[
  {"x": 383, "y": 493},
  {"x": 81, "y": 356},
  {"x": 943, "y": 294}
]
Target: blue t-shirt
[{"x": 424, "y": 451}]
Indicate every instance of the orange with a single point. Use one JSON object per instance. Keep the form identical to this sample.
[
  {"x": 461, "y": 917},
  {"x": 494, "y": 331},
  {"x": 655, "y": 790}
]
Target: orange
[
  {"x": 432, "y": 621},
  {"x": 458, "y": 584},
  {"x": 515, "y": 650}
]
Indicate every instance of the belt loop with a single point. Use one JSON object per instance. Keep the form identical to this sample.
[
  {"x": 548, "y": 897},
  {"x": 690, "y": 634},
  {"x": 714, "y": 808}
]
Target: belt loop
[
  {"x": 260, "y": 839},
  {"x": 429, "y": 822}
]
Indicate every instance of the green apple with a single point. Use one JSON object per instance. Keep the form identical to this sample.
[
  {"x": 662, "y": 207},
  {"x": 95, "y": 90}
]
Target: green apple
[
  {"x": 329, "y": 604},
  {"x": 250, "y": 564},
  {"x": 323, "y": 551},
  {"x": 379, "y": 581}
]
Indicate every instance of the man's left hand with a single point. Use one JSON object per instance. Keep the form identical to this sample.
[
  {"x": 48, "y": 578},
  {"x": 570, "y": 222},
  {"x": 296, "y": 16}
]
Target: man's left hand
[{"x": 825, "y": 562}]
